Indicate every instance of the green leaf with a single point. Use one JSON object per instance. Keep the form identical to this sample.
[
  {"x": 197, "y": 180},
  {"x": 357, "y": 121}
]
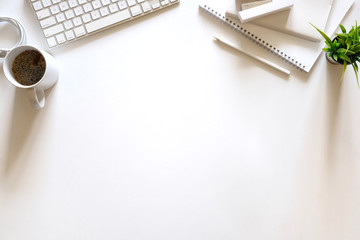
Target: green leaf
[
  {"x": 355, "y": 66},
  {"x": 344, "y": 57},
  {"x": 348, "y": 45},
  {"x": 342, "y": 35},
  {"x": 328, "y": 44},
  {"x": 323, "y": 35},
  {"x": 355, "y": 48},
  {"x": 341, "y": 50},
  {"x": 342, "y": 28},
  {"x": 337, "y": 44},
  {"x": 345, "y": 51},
  {"x": 335, "y": 57}
]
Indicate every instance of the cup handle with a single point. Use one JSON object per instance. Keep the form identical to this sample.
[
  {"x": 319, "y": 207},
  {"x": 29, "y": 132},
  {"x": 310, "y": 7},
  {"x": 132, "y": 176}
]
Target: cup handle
[{"x": 36, "y": 97}]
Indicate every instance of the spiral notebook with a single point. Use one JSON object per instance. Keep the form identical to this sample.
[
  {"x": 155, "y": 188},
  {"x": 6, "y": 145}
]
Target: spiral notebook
[{"x": 298, "y": 52}]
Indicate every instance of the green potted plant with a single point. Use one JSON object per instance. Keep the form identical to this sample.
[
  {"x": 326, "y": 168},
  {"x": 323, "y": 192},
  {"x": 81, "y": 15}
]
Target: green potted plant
[{"x": 344, "y": 48}]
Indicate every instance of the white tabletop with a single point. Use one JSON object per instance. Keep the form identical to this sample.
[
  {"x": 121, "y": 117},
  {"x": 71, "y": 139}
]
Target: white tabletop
[{"x": 154, "y": 131}]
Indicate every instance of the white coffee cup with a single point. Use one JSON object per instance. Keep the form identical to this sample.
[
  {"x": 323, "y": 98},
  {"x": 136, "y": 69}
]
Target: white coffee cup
[{"x": 36, "y": 92}]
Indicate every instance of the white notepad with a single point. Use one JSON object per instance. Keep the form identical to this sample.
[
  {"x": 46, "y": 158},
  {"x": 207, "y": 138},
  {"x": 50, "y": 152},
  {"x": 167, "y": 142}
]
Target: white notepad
[
  {"x": 294, "y": 21},
  {"x": 263, "y": 9},
  {"x": 297, "y": 51}
]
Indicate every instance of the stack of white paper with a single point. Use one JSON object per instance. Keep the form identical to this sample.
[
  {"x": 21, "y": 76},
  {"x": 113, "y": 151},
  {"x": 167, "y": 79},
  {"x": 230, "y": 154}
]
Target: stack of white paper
[
  {"x": 294, "y": 21},
  {"x": 259, "y": 9}
]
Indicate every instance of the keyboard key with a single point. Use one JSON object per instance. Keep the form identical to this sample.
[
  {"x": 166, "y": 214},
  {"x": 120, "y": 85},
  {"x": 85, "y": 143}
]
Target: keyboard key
[
  {"x": 86, "y": 18},
  {"x": 131, "y": 2},
  {"x": 73, "y": 3},
  {"x": 77, "y": 21},
  {"x": 51, "y": 42},
  {"x": 44, "y": 13},
  {"x": 70, "y": 35},
  {"x": 53, "y": 30},
  {"x": 82, "y": 1},
  {"x": 60, "y": 38},
  {"x": 96, "y": 4},
  {"x": 64, "y": 6},
  {"x": 105, "y": 2},
  {"x": 87, "y": 7},
  {"x": 113, "y": 8},
  {"x": 69, "y": 14},
  {"x": 79, "y": 31},
  {"x": 165, "y": 2},
  {"x": 156, "y": 5},
  {"x": 68, "y": 24},
  {"x": 122, "y": 4},
  {"x": 95, "y": 14},
  {"x": 37, "y": 5},
  {"x": 104, "y": 11},
  {"x": 78, "y": 11},
  {"x": 146, "y": 7},
  {"x": 54, "y": 9},
  {"x": 136, "y": 10},
  {"x": 107, "y": 21},
  {"x": 46, "y": 3},
  {"x": 48, "y": 22},
  {"x": 60, "y": 17}
]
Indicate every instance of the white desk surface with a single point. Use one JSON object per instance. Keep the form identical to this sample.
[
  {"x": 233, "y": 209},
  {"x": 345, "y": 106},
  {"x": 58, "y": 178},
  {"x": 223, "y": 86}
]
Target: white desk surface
[{"x": 154, "y": 131}]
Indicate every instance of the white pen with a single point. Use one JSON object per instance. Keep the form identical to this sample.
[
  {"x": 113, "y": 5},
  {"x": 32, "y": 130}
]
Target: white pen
[{"x": 273, "y": 65}]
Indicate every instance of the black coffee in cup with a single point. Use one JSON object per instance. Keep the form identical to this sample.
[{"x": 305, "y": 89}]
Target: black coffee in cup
[{"x": 28, "y": 67}]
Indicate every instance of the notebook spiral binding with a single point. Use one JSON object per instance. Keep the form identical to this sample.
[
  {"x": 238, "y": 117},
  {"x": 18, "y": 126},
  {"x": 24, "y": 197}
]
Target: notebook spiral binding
[{"x": 235, "y": 26}]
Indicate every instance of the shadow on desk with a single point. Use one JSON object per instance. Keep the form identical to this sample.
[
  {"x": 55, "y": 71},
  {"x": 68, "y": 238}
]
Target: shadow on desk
[
  {"x": 19, "y": 138},
  {"x": 333, "y": 92}
]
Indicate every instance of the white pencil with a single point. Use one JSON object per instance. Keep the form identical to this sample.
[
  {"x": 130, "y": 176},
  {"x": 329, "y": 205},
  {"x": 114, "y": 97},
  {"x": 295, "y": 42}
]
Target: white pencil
[{"x": 273, "y": 65}]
